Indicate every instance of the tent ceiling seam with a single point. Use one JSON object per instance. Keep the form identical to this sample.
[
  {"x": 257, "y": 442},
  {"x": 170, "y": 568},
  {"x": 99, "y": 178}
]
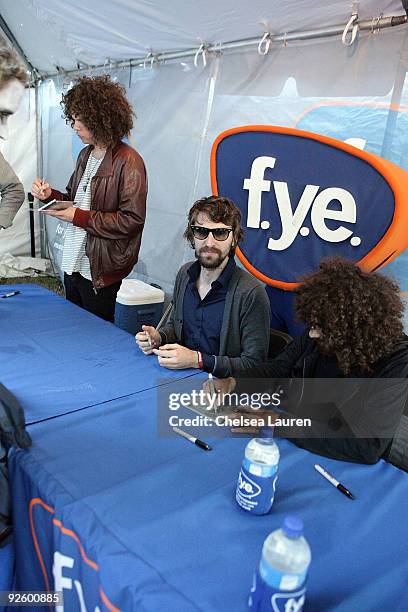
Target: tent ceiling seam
[{"x": 286, "y": 37}]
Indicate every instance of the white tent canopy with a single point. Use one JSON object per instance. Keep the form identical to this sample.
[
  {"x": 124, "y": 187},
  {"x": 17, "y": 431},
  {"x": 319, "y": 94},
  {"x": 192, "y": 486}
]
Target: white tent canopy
[
  {"x": 182, "y": 105},
  {"x": 56, "y": 33}
]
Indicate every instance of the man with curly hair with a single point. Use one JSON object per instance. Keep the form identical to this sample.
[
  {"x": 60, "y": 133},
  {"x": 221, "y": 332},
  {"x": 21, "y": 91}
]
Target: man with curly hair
[
  {"x": 221, "y": 314},
  {"x": 13, "y": 79},
  {"x": 108, "y": 189},
  {"x": 348, "y": 371}
]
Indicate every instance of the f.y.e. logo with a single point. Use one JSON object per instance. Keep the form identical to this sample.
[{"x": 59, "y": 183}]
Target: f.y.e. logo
[
  {"x": 304, "y": 197},
  {"x": 247, "y": 487},
  {"x": 293, "y": 215}
]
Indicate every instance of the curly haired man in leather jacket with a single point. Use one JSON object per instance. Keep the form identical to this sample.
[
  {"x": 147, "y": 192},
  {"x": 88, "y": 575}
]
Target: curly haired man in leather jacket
[{"x": 108, "y": 189}]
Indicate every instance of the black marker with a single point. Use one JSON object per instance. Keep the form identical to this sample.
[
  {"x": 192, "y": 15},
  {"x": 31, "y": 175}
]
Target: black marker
[
  {"x": 192, "y": 439},
  {"x": 334, "y": 482},
  {"x": 6, "y": 295}
]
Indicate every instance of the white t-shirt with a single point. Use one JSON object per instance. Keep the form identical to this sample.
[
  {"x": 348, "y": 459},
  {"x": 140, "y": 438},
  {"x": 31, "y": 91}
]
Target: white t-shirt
[{"x": 73, "y": 254}]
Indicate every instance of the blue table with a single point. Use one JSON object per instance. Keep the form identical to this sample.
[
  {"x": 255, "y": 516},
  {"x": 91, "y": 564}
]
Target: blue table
[
  {"x": 58, "y": 358},
  {"x": 150, "y": 524},
  {"x": 132, "y": 521}
]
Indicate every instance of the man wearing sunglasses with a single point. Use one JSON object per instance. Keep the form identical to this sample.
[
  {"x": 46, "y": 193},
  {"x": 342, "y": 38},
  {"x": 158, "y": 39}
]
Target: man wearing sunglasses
[{"x": 221, "y": 314}]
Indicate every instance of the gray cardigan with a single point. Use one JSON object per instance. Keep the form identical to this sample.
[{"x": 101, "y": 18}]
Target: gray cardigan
[
  {"x": 12, "y": 193},
  {"x": 244, "y": 338}
]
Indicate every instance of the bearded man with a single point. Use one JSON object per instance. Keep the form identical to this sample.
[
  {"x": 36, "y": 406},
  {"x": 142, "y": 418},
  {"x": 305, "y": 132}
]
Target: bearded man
[{"x": 221, "y": 314}]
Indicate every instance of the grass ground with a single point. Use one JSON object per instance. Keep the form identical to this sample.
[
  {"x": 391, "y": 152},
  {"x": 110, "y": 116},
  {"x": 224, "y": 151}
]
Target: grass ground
[{"x": 50, "y": 282}]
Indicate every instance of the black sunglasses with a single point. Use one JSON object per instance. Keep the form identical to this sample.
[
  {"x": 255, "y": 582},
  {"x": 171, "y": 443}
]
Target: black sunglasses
[{"x": 219, "y": 233}]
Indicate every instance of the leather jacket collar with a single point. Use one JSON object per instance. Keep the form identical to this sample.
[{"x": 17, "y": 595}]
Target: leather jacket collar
[{"x": 106, "y": 167}]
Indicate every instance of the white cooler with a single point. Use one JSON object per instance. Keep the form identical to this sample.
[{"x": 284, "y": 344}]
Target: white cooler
[{"x": 137, "y": 304}]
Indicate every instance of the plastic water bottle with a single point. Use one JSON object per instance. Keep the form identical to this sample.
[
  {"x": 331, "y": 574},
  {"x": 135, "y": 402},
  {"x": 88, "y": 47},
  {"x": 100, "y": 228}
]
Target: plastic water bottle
[
  {"x": 258, "y": 475},
  {"x": 280, "y": 582}
]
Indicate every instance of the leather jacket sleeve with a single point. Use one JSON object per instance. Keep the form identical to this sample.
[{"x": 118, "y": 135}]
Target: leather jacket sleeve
[{"x": 128, "y": 219}]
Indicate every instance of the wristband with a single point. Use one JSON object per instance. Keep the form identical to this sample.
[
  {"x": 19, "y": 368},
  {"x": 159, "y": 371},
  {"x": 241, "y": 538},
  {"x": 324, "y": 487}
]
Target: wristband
[{"x": 200, "y": 360}]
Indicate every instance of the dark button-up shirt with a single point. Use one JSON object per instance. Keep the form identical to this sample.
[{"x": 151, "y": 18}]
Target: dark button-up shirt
[{"x": 202, "y": 319}]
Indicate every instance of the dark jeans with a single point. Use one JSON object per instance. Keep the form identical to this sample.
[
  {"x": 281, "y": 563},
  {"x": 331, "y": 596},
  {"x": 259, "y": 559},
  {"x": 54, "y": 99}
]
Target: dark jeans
[{"x": 80, "y": 291}]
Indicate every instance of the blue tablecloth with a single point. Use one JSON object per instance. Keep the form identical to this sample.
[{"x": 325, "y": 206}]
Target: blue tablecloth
[
  {"x": 6, "y": 567},
  {"x": 133, "y": 521},
  {"x": 58, "y": 358},
  {"x": 122, "y": 518}
]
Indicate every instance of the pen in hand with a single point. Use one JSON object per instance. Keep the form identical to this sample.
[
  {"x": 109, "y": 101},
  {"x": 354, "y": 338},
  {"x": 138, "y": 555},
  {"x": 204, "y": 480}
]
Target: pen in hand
[
  {"x": 164, "y": 317},
  {"x": 212, "y": 390},
  {"x": 333, "y": 481},
  {"x": 159, "y": 325}
]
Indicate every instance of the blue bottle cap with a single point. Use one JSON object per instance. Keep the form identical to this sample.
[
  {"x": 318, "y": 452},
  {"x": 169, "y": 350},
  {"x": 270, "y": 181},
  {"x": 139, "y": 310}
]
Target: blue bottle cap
[
  {"x": 292, "y": 526},
  {"x": 266, "y": 432}
]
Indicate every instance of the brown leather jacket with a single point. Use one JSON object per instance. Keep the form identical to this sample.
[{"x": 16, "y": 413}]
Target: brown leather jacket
[{"x": 115, "y": 222}]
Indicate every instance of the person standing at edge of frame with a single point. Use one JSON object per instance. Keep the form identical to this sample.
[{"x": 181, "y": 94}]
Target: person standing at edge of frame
[
  {"x": 108, "y": 187},
  {"x": 13, "y": 79}
]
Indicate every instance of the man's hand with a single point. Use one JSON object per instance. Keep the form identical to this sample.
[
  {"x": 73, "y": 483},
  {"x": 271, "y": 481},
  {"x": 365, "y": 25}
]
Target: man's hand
[
  {"x": 41, "y": 189},
  {"x": 176, "y": 357},
  {"x": 224, "y": 386},
  {"x": 64, "y": 215},
  {"x": 263, "y": 417},
  {"x": 148, "y": 339},
  {"x": 220, "y": 386}
]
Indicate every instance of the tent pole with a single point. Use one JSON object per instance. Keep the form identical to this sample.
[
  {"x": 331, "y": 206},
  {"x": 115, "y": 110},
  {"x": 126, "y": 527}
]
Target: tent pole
[
  {"x": 40, "y": 165},
  {"x": 391, "y": 125},
  {"x": 371, "y": 25}
]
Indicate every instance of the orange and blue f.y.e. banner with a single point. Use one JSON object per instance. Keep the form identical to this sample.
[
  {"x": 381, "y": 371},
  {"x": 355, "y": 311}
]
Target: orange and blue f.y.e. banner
[{"x": 304, "y": 197}]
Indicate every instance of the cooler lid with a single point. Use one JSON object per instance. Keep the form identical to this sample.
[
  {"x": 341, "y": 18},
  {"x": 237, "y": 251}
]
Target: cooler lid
[{"x": 133, "y": 291}]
